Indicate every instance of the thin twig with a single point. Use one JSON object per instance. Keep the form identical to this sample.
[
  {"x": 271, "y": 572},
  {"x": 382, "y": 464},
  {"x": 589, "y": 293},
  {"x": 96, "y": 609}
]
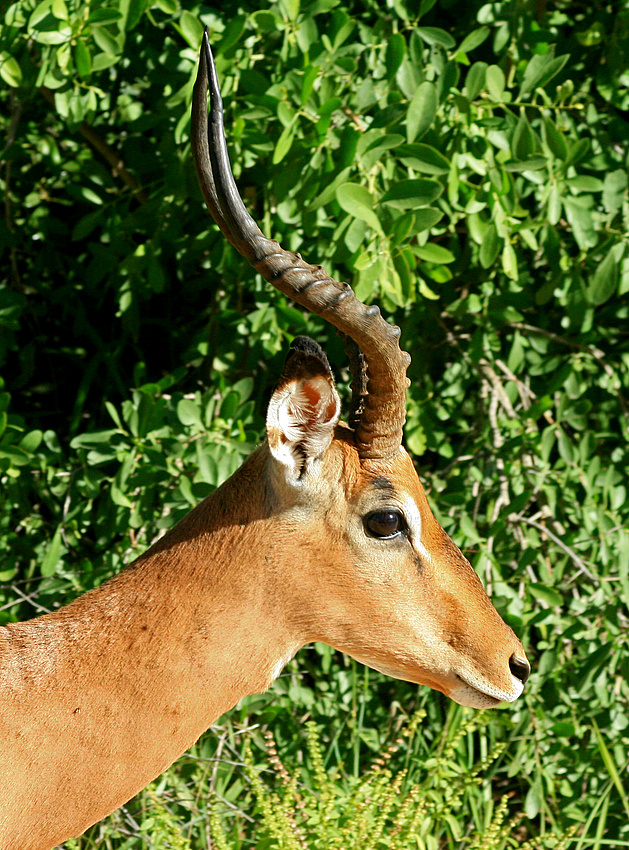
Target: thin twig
[
  {"x": 117, "y": 165},
  {"x": 559, "y": 542},
  {"x": 26, "y": 598}
]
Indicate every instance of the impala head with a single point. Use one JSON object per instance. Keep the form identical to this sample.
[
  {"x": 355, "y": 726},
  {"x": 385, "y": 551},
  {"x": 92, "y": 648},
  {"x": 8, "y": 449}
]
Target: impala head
[{"x": 378, "y": 576}]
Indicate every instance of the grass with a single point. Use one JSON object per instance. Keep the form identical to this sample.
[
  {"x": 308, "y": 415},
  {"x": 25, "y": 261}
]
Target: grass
[{"x": 298, "y": 787}]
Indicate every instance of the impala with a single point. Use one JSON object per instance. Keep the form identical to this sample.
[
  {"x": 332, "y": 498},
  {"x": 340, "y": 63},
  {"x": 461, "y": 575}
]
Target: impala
[{"x": 324, "y": 534}]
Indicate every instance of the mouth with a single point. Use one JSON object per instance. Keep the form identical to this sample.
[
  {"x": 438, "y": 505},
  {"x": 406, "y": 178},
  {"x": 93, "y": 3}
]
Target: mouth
[
  {"x": 467, "y": 690},
  {"x": 474, "y": 694}
]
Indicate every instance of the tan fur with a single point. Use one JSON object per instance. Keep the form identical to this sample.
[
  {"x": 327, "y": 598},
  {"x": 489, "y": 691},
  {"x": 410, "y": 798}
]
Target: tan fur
[{"x": 101, "y": 696}]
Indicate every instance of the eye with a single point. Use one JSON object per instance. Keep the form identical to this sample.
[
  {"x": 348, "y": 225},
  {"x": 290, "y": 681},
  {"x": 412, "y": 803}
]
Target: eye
[{"x": 383, "y": 524}]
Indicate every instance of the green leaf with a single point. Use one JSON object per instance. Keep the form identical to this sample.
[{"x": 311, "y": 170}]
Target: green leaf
[
  {"x": 284, "y": 143},
  {"x": 423, "y": 158},
  {"x": 31, "y": 442},
  {"x": 10, "y": 70},
  {"x": 577, "y": 150},
  {"x": 614, "y": 190},
  {"x": 580, "y": 219},
  {"x": 98, "y": 17},
  {"x": 53, "y": 554},
  {"x": 291, "y": 8},
  {"x": 610, "y": 766},
  {"x": 410, "y": 194},
  {"x": 425, "y": 218},
  {"x": 394, "y": 54},
  {"x": 541, "y": 69},
  {"x": 585, "y": 183},
  {"x": 475, "y": 79},
  {"x": 132, "y": 11},
  {"x": 191, "y": 29},
  {"x": 469, "y": 529},
  {"x": 232, "y": 33},
  {"x": 490, "y": 246},
  {"x": 310, "y": 77},
  {"x": 329, "y": 193},
  {"x": 473, "y": 40},
  {"x": 357, "y": 201},
  {"x": 266, "y": 20},
  {"x": 104, "y": 60},
  {"x": 555, "y": 140},
  {"x": 425, "y": 291},
  {"x": 434, "y": 35},
  {"x": 90, "y": 195},
  {"x": 432, "y": 253},
  {"x": 604, "y": 282},
  {"x": 59, "y": 9},
  {"x": 82, "y": 59},
  {"x": 549, "y": 595},
  {"x": 509, "y": 261},
  {"x": 107, "y": 42},
  {"x": 495, "y": 81},
  {"x": 189, "y": 413},
  {"x": 421, "y": 111},
  {"x": 554, "y": 204},
  {"x": 533, "y": 802},
  {"x": 523, "y": 143},
  {"x": 118, "y": 497},
  {"x": 415, "y": 439}
]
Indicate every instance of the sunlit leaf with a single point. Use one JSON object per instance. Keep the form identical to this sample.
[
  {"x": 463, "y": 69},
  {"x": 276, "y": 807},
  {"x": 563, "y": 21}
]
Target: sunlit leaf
[
  {"x": 495, "y": 80},
  {"x": 410, "y": 194},
  {"x": 473, "y": 40},
  {"x": 604, "y": 282},
  {"x": 490, "y": 246},
  {"x": 10, "y": 70},
  {"x": 423, "y": 158},
  {"x": 434, "y": 35},
  {"x": 541, "y": 69},
  {"x": 357, "y": 201},
  {"x": 421, "y": 111}
]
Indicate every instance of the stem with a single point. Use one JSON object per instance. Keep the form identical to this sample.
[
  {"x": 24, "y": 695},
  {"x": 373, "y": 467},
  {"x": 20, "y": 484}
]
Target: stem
[{"x": 117, "y": 165}]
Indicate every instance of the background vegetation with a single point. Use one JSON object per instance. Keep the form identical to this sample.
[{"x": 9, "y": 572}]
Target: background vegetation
[{"x": 465, "y": 165}]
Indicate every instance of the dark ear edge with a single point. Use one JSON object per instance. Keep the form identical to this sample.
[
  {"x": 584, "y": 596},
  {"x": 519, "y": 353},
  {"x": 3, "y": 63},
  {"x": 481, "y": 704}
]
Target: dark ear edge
[
  {"x": 305, "y": 359},
  {"x": 303, "y": 411}
]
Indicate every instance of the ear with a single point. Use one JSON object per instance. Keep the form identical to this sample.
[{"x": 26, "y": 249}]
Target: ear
[{"x": 303, "y": 410}]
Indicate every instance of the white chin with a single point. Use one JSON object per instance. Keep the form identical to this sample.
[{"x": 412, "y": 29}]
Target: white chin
[{"x": 471, "y": 697}]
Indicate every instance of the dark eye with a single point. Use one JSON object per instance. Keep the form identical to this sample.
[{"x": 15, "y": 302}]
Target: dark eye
[{"x": 384, "y": 524}]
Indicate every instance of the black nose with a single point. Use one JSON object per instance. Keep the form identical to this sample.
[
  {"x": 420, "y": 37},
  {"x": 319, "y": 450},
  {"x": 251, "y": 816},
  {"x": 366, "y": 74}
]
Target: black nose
[{"x": 520, "y": 668}]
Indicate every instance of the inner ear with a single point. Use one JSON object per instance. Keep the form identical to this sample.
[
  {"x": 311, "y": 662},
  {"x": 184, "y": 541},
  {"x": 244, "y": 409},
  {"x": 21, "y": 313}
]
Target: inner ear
[{"x": 304, "y": 409}]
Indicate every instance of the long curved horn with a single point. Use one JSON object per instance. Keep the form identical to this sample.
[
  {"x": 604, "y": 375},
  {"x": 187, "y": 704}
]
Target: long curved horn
[{"x": 378, "y": 427}]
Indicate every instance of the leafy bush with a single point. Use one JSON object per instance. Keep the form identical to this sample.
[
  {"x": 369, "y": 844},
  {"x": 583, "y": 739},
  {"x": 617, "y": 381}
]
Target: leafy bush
[{"x": 465, "y": 165}]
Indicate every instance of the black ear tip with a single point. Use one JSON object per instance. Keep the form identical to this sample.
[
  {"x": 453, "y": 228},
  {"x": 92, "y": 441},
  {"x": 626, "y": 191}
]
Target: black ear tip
[
  {"x": 307, "y": 346},
  {"x": 304, "y": 350}
]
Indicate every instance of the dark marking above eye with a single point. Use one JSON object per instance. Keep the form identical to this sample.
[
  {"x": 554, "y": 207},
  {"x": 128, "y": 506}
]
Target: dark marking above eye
[{"x": 382, "y": 483}]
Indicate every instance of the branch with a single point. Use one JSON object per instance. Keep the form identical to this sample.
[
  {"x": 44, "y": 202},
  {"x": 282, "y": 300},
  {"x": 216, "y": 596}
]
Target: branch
[
  {"x": 107, "y": 152},
  {"x": 571, "y": 554}
]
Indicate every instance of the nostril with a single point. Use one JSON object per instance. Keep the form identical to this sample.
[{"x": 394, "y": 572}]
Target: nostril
[{"x": 520, "y": 668}]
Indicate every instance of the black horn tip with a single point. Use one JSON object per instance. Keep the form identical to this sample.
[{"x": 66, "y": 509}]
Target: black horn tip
[{"x": 208, "y": 56}]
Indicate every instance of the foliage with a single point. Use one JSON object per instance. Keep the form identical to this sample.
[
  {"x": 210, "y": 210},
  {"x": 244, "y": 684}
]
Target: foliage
[
  {"x": 410, "y": 796},
  {"x": 465, "y": 165}
]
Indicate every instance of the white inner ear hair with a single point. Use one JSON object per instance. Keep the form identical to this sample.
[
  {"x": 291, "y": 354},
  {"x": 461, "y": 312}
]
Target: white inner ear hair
[{"x": 305, "y": 413}]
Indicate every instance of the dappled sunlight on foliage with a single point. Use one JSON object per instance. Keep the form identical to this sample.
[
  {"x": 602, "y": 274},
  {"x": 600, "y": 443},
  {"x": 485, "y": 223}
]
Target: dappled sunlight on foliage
[{"x": 464, "y": 164}]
